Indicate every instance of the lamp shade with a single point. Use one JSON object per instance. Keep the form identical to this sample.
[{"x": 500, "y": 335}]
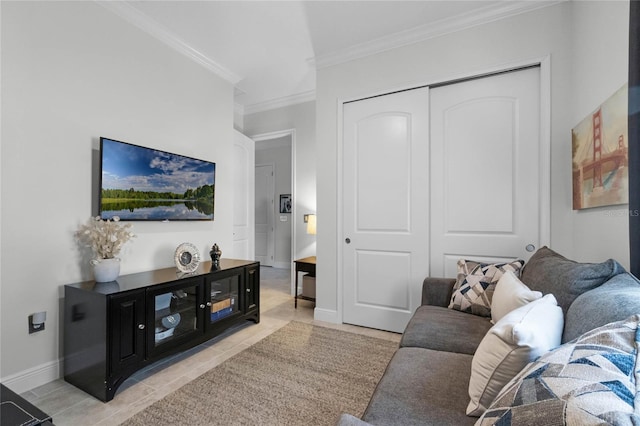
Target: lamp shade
[{"x": 311, "y": 224}]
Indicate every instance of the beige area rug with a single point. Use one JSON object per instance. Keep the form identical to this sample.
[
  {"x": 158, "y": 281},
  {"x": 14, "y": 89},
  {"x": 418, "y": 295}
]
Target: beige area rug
[{"x": 299, "y": 375}]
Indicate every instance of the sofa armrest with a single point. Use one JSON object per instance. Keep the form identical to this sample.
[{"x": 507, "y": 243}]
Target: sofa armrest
[{"x": 437, "y": 291}]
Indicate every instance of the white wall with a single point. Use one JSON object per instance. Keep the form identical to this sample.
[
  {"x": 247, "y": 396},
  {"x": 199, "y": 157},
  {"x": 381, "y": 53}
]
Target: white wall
[
  {"x": 72, "y": 72},
  {"x": 301, "y": 118},
  {"x": 600, "y": 64},
  {"x": 537, "y": 34},
  {"x": 238, "y": 119},
  {"x": 278, "y": 153}
]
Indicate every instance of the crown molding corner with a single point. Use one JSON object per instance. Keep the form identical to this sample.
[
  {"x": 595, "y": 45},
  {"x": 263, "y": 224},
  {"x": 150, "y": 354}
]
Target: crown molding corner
[
  {"x": 156, "y": 30},
  {"x": 298, "y": 98}
]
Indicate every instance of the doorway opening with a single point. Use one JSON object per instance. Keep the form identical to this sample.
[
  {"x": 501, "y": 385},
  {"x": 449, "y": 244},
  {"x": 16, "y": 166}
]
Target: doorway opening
[{"x": 276, "y": 236}]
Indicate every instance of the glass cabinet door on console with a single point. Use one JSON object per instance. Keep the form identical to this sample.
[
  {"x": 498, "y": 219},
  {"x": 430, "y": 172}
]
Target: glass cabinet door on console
[
  {"x": 222, "y": 297},
  {"x": 174, "y": 312}
]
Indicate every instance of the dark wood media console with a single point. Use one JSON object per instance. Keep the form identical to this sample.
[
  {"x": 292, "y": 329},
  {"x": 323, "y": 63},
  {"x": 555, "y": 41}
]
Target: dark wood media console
[{"x": 113, "y": 329}]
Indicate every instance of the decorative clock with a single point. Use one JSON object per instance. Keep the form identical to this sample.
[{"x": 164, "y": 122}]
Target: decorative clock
[{"x": 187, "y": 257}]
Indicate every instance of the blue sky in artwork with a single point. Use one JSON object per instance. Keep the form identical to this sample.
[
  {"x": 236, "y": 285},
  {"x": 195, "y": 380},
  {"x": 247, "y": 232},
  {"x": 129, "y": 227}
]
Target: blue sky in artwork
[{"x": 127, "y": 166}]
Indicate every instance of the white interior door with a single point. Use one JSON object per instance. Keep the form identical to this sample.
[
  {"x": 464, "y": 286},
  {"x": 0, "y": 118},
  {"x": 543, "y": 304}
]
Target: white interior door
[
  {"x": 264, "y": 208},
  {"x": 385, "y": 202},
  {"x": 243, "y": 197},
  {"x": 485, "y": 170}
]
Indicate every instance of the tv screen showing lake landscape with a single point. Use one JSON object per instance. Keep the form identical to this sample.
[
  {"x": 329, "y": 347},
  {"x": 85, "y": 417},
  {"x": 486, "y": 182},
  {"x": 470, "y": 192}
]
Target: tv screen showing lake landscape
[{"x": 139, "y": 183}]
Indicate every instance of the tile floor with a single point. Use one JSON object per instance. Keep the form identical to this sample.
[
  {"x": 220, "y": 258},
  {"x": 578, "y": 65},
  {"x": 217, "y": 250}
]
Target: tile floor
[{"x": 70, "y": 406}]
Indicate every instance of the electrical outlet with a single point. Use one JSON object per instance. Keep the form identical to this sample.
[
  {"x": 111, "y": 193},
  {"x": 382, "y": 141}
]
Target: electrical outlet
[
  {"x": 32, "y": 328},
  {"x": 36, "y": 322}
]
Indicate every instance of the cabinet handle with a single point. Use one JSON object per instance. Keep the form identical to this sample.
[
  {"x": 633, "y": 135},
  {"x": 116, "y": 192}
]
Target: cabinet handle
[
  {"x": 208, "y": 303},
  {"x": 141, "y": 326},
  {"x": 248, "y": 290},
  {"x": 202, "y": 306}
]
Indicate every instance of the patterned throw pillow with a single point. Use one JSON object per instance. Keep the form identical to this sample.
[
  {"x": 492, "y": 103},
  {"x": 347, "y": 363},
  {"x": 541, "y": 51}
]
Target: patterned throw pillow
[
  {"x": 475, "y": 283},
  {"x": 591, "y": 380}
]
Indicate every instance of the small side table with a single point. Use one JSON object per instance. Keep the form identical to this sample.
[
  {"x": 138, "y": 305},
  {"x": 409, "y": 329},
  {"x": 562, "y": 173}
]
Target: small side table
[{"x": 308, "y": 265}]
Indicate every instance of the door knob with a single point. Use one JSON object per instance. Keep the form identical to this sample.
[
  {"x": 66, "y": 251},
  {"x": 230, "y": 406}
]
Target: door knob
[
  {"x": 347, "y": 240},
  {"x": 530, "y": 248}
]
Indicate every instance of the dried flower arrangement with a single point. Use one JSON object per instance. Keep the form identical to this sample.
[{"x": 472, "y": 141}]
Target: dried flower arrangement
[{"x": 105, "y": 237}]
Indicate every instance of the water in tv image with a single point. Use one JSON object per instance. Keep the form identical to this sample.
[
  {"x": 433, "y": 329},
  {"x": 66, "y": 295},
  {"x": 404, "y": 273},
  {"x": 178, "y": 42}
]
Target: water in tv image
[{"x": 140, "y": 183}]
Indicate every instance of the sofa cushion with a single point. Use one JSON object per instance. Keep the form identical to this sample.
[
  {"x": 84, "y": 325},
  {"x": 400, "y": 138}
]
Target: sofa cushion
[
  {"x": 615, "y": 300},
  {"x": 510, "y": 294},
  {"x": 475, "y": 283},
  {"x": 550, "y": 272},
  {"x": 518, "y": 338},
  {"x": 442, "y": 329},
  {"x": 422, "y": 387},
  {"x": 589, "y": 381}
]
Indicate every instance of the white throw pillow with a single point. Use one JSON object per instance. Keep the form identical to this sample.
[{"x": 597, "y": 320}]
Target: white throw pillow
[
  {"x": 518, "y": 338},
  {"x": 510, "y": 293}
]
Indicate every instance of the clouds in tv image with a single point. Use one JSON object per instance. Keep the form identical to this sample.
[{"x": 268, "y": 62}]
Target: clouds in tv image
[{"x": 140, "y": 183}]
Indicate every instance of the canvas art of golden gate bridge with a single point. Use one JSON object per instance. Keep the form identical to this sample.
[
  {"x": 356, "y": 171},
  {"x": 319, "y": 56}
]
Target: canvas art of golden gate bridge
[{"x": 600, "y": 155}]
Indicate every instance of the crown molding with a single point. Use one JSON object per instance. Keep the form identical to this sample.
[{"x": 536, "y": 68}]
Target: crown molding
[
  {"x": 156, "y": 30},
  {"x": 298, "y": 98},
  {"x": 428, "y": 31}
]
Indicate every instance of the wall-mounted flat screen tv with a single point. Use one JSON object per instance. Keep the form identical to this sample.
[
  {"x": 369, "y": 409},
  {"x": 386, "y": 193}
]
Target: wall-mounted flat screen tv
[{"x": 138, "y": 183}]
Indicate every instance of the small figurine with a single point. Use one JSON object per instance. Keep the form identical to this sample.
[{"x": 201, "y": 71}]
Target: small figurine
[{"x": 215, "y": 254}]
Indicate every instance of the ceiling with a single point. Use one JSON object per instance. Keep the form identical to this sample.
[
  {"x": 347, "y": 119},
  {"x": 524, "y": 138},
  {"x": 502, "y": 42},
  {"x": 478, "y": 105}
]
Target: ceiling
[{"x": 270, "y": 50}]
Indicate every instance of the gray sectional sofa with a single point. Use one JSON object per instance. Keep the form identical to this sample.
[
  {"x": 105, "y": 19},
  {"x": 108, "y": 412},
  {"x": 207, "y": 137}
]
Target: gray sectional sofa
[{"x": 427, "y": 380}]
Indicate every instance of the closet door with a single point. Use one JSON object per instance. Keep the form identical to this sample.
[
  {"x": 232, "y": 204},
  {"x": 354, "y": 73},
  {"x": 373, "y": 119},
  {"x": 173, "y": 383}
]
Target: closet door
[
  {"x": 431, "y": 176},
  {"x": 385, "y": 218},
  {"x": 485, "y": 168}
]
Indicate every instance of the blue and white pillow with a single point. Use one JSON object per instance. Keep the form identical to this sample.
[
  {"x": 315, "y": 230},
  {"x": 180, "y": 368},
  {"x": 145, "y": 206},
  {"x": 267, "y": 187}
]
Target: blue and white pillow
[{"x": 590, "y": 380}]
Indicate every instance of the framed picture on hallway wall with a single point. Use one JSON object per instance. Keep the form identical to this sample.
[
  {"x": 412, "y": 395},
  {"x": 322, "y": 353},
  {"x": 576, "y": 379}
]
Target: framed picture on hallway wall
[
  {"x": 285, "y": 203},
  {"x": 600, "y": 155}
]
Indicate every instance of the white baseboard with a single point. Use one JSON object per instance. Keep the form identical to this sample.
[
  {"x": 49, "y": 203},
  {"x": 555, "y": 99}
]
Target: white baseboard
[
  {"x": 326, "y": 315},
  {"x": 33, "y": 377}
]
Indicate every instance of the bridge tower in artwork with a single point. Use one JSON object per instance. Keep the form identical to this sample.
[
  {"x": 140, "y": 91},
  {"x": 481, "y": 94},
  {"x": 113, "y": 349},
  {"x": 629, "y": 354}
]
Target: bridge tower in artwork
[{"x": 597, "y": 149}]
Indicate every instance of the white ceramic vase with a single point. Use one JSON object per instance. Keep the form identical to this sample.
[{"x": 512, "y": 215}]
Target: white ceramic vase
[{"x": 106, "y": 270}]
